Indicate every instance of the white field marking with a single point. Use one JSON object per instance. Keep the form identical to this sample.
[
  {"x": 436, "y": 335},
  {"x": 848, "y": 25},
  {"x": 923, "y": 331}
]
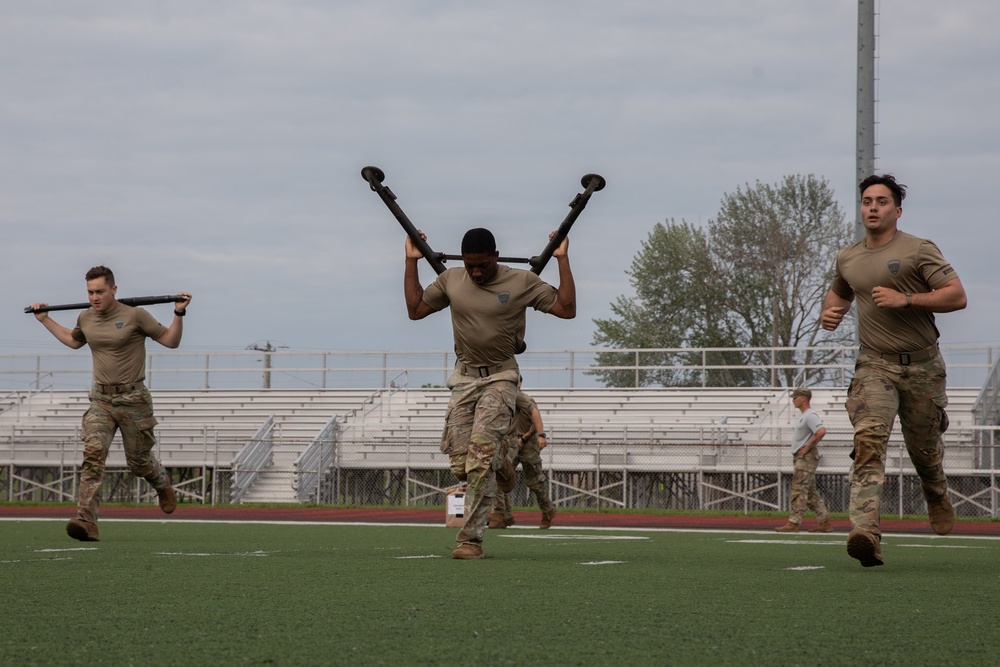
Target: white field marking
[
  {"x": 807, "y": 567},
  {"x": 407, "y": 557},
  {"x": 603, "y": 562},
  {"x": 42, "y": 551},
  {"x": 252, "y": 554},
  {"x": 937, "y": 546},
  {"x": 576, "y": 537},
  {"x": 804, "y": 542},
  {"x": 554, "y": 529},
  {"x": 828, "y": 543}
]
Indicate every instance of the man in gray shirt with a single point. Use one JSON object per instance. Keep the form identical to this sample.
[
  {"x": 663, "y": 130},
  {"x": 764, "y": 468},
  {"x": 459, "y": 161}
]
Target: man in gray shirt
[{"x": 807, "y": 433}]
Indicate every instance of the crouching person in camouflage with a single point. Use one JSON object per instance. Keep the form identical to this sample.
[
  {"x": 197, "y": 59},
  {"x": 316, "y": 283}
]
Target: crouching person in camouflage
[
  {"x": 119, "y": 400},
  {"x": 524, "y": 444},
  {"x": 899, "y": 282}
]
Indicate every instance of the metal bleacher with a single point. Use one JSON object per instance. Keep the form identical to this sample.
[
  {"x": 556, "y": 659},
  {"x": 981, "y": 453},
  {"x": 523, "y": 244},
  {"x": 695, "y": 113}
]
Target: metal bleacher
[{"x": 693, "y": 431}]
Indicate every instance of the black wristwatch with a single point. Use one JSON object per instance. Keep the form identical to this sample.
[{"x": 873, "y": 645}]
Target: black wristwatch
[
  {"x": 180, "y": 313},
  {"x": 542, "y": 435}
]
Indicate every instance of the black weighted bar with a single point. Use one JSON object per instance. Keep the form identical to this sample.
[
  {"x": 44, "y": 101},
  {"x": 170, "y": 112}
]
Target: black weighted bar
[
  {"x": 374, "y": 176},
  {"x": 591, "y": 184},
  {"x": 128, "y": 301}
]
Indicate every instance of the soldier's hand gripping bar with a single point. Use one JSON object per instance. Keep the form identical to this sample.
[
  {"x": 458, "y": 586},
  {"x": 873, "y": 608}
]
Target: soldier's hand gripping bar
[
  {"x": 591, "y": 183},
  {"x": 128, "y": 301}
]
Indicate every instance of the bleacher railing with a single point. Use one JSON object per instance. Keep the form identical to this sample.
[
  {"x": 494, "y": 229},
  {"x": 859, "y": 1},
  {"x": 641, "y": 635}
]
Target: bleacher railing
[
  {"x": 968, "y": 366},
  {"x": 314, "y": 462},
  {"x": 987, "y": 407},
  {"x": 252, "y": 459}
]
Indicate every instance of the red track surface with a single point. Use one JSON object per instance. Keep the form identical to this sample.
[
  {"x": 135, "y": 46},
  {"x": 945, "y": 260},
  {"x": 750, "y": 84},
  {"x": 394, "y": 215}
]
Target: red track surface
[{"x": 564, "y": 519}]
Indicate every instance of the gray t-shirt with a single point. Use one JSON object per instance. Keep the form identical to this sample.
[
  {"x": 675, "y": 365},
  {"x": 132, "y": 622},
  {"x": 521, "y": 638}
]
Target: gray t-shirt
[{"x": 805, "y": 428}]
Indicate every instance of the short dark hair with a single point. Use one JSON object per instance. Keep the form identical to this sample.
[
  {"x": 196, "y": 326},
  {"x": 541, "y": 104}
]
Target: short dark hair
[
  {"x": 478, "y": 240},
  {"x": 888, "y": 180},
  {"x": 101, "y": 272}
]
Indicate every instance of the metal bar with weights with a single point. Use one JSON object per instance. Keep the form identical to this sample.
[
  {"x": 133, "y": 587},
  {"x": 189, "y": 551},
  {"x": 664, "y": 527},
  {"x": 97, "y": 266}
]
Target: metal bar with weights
[
  {"x": 128, "y": 301},
  {"x": 591, "y": 184}
]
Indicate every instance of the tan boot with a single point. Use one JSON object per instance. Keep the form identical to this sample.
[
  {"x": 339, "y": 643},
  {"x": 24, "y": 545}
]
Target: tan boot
[
  {"x": 168, "y": 500},
  {"x": 84, "y": 531},
  {"x": 547, "y": 518},
  {"x": 865, "y": 548},
  {"x": 823, "y": 527},
  {"x": 466, "y": 551},
  {"x": 941, "y": 514},
  {"x": 498, "y": 522},
  {"x": 788, "y": 528}
]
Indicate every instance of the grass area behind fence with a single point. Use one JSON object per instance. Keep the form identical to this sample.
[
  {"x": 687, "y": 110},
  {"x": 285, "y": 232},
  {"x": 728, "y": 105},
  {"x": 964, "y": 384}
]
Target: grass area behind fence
[{"x": 158, "y": 593}]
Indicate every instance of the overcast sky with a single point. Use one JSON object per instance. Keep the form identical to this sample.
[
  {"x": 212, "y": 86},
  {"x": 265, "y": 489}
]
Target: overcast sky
[{"x": 216, "y": 147}]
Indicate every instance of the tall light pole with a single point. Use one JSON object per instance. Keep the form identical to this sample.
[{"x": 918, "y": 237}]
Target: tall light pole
[{"x": 865, "y": 159}]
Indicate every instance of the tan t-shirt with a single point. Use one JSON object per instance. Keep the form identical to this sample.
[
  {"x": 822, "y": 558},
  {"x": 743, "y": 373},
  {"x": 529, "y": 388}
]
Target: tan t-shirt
[
  {"x": 118, "y": 342},
  {"x": 522, "y": 423},
  {"x": 905, "y": 264},
  {"x": 489, "y": 320}
]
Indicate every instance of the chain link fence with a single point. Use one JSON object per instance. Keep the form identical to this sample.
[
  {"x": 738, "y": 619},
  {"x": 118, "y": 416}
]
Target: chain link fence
[{"x": 741, "y": 470}]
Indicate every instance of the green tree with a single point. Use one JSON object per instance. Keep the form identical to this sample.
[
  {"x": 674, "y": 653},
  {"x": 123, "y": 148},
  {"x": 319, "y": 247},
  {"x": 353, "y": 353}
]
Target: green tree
[{"x": 754, "y": 279}]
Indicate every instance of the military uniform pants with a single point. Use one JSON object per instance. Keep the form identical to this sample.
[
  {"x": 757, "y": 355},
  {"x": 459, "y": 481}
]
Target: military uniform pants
[
  {"x": 132, "y": 414},
  {"x": 477, "y": 419},
  {"x": 530, "y": 458},
  {"x": 879, "y": 392},
  {"x": 804, "y": 492}
]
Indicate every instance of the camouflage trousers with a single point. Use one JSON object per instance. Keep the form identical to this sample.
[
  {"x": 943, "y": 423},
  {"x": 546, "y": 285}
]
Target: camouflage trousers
[
  {"x": 530, "y": 458},
  {"x": 477, "y": 419},
  {"x": 804, "y": 492},
  {"x": 132, "y": 414},
  {"x": 879, "y": 392}
]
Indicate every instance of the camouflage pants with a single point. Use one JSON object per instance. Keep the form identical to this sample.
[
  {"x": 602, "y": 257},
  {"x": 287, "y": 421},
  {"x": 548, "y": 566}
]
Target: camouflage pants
[
  {"x": 132, "y": 414},
  {"x": 477, "y": 419},
  {"x": 879, "y": 392},
  {"x": 530, "y": 458},
  {"x": 804, "y": 492}
]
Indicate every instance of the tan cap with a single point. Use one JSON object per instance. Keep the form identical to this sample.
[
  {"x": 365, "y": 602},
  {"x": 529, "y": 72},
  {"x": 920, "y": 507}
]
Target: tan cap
[{"x": 802, "y": 391}]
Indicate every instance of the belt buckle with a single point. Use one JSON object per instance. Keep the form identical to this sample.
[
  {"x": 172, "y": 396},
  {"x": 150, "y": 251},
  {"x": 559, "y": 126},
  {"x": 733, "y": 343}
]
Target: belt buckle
[
  {"x": 484, "y": 371},
  {"x": 904, "y": 359}
]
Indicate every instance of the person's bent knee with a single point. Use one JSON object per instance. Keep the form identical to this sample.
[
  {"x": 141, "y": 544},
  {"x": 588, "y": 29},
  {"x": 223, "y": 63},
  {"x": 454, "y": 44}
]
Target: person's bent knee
[{"x": 871, "y": 434}]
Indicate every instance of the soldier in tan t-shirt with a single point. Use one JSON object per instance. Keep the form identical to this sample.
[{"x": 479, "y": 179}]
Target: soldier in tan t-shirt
[
  {"x": 488, "y": 303},
  {"x": 119, "y": 400},
  {"x": 899, "y": 282}
]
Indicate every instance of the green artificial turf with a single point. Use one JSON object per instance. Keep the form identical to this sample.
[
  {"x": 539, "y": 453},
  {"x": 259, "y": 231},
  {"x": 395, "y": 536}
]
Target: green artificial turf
[{"x": 159, "y": 593}]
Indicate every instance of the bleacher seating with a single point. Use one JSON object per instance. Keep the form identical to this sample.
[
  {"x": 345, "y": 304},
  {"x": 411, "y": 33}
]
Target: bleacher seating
[{"x": 688, "y": 429}]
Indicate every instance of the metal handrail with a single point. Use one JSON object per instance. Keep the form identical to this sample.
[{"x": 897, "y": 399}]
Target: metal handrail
[
  {"x": 312, "y": 464},
  {"x": 24, "y": 396},
  {"x": 254, "y": 457}
]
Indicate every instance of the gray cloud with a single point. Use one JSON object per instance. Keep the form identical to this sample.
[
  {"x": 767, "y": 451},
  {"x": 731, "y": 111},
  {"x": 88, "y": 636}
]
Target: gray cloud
[{"x": 216, "y": 147}]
